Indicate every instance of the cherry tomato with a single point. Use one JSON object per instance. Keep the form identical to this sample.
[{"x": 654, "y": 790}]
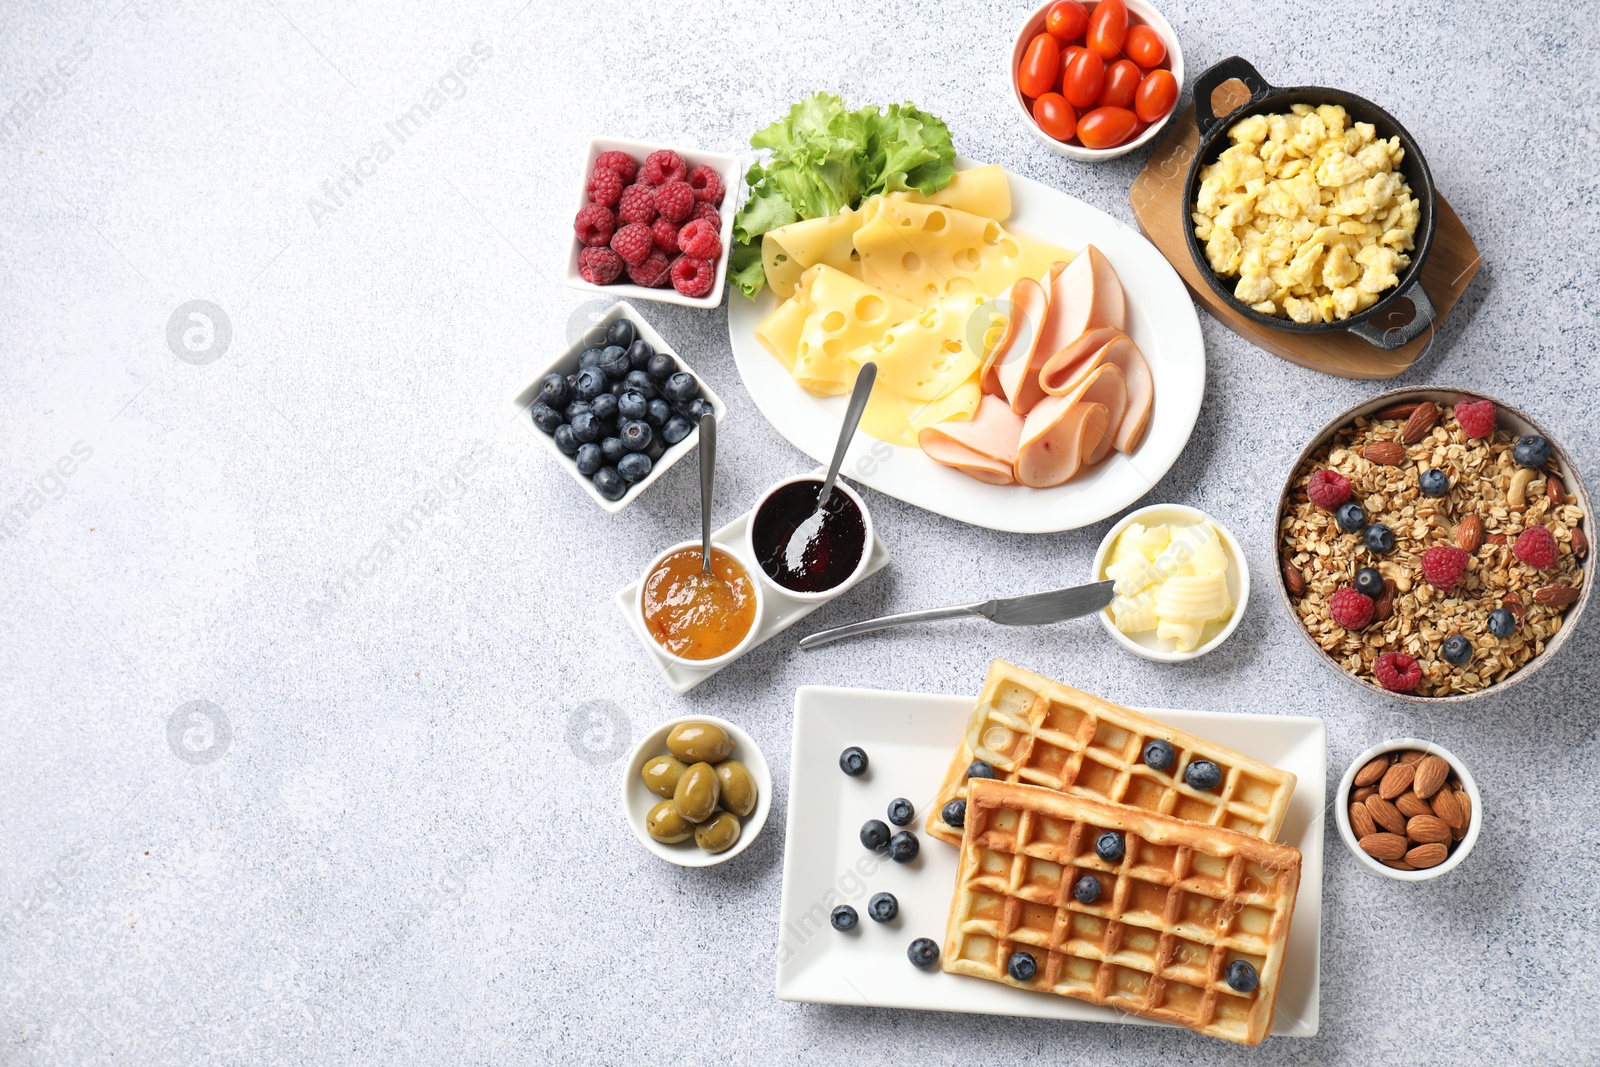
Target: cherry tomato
[
  {"x": 1083, "y": 79},
  {"x": 1143, "y": 46},
  {"x": 1108, "y": 26},
  {"x": 1040, "y": 65},
  {"x": 1068, "y": 54},
  {"x": 1055, "y": 116},
  {"x": 1066, "y": 21},
  {"x": 1156, "y": 95},
  {"x": 1122, "y": 81},
  {"x": 1106, "y": 127}
]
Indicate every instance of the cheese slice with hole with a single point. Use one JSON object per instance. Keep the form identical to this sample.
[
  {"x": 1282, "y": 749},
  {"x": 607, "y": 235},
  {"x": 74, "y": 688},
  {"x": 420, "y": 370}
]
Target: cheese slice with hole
[
  {"x": 939, "y": 348},
  {"x": 789, "y": 251},
  {"x": 893, "y": 418},
  {"x": 844, "y": 314},
  {"x": 779, "y": 332},
  {"x": 982, "y": 191},
  {"x": 923, "y": 252}
]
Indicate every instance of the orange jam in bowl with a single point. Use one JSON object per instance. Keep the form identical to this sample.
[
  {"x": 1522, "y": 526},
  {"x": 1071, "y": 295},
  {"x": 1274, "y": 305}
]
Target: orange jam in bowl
[{"x": 696, "y": 615}]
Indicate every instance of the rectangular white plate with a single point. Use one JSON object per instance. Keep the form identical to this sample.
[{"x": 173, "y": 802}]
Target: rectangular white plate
[{"x": 908, "y": 738}]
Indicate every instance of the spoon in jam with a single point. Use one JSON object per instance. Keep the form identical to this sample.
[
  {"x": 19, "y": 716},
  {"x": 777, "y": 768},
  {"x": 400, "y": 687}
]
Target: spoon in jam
[
  {"x": 708, "y": 472},
  {"x": 810, "y": 528}
]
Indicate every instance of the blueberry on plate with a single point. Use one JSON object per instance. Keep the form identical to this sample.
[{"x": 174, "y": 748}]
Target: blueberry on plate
[
  {"x": 639, "y": 354},
  {"x": 553, "y": 390},
  {"x": 605, "y": 406},
  {"x": 621, "y": 333},
  {"x": 595, "y": 337},
  {"x": 675, "y": 430},
  {"x": 1110, "y": 847},
  {"x": 843, "y": 918},
  {"x": 657, "y": 412},
  {"x": 1158, "y": 755},
  {"x": 591, "y": 357},
  {"x": 640, "y": 382},
  {"x": 1456, "y": 650},
  {"x": 1531, "y": 451},
  {"x": 1022, "y": 966},
  {"x": 657, "y": 449},
  {"x": 954, "y": 813},
  {"x": 1086, "y": 890},
  {"x": 901, "y": 812},
  {"x": 586, "y": 427},
  {"x": 589, "y": 459},
  {"x": 614, "y": 361},
  {"x": 591, "y": 383},
  {"x": 1379, "y": 539},
  {"x": 903, "y": 847},
  {"x": 1501, "y": 623},
  {"x": 565, "y": 441},
  {"x": 681, "y": 388},
  {"x": 874, "y": 834},
  {"x": 662, "y": 366},
  {"x": 576, "y": 408},
  {"x": 612, "y": 450},
  {"x": 853, "y": 762},
  {"x": 610, "y": 483},
  {"x": 1434, "y": 482},
  {"x": 634, "y": 467},
  {"x": 1351, "y": 517},
  {"x": 883, "y": 907},
  {"x": 700, "y": 406},
  {"x": 636, "y": 436},
  {"x": 980, "y": 769},
  {"x": 632, "y": 405},
  {"x": 545, "y": 417},
  {"x": 1242, "y": 977},
  {"x": 923, "y": 953},
  {"x": 1202, "y": 774},
  {"x": 1369, "y": 582}
]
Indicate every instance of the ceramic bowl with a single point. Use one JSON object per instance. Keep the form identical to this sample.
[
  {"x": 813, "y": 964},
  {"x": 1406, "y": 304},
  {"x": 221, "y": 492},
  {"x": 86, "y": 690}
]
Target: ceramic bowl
[
  {"x": 826, "y": 594},
  {"x": 637, "y": 800},
  {"x": 755, "y": 623},
  {"x": 1341, "y": 809}
]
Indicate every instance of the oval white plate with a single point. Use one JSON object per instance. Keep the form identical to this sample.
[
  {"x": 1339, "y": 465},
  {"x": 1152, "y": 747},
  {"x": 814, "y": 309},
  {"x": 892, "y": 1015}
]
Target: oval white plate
[{"x": 1161, "y": 321}]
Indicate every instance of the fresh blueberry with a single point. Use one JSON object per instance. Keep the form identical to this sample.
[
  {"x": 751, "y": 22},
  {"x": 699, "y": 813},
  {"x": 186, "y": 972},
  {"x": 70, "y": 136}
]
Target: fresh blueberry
[
  {"x": 874, "y": 834},
  {"x": 614, "y": 362},
  {"x": 1434, "y": 482},
  {"x": 1502, "y": 623},
  {"x": 1351, "y": 517},
  {"x": 634, "y": 467},
  {"x": 1457, "y": 649},
  {"x": 621, "y": 333},
  {"x": 636, "y": 436},
  {"x": 1242, "y": 977},
  {"x": 632, "y": 405},
  {"x": 618, "y": 388},
  {"x": 700, "y": 406},
  {"x": 883, "y": 907},
  {"x": 903, "y": 847},
  {"x": 639, "y": 354},
  {"x": 591, "y": 357},
  {"x": 1379, "y": 539},
  {"x": 610, "y": 483},
  {"x": 1110, "y": 847},
  {"x": 589, "y": 459},
  {"x": 844, "y": 918},
  {"x": 1369, "y": 582},
  {"x": 586, "y": 427},
  {"x": 657, "y": 449},
  {"x": 572, "y": 381},
  {"x": 657, "y": 413},
  {"x": 681, "y": 388},
  {"x": 595, "y": 337},
  {"x": 1531, "y": 451},
  {"x": 609, "y": 428},
  {"x": 545, "y": 417},
  {"x": 1022, "y": 966},
  {"x": 900, "y": 811},
  {"x": 1086, "y": 890},
  {"x": 980, "y": 769},
  {"x": 640, "y": 382},
  {"x": 591, "y": 383},
  {"x": 553, "y": 390},
  {"x": 954, "y": 813},
  {"x": 605, "y": 406},
  {"x": 1202, "y": 774},
  {"x": 565, "y": 441},
  {"x": 853, "y": 762},
  {"x": 576, "y": 408},
  {"x": 675, "y": 430},
  {"x": 1158, "y": 755},
  {"x": 612, "y": 450},
  {"x": 923, "y": 953},
  {"x": 662, "y": 366}
]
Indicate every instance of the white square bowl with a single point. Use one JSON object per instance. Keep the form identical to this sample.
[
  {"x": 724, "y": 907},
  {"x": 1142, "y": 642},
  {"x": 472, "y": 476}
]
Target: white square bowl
[
  {"x": 732, "y": 180},
  {"x": 567, "y": 363}
]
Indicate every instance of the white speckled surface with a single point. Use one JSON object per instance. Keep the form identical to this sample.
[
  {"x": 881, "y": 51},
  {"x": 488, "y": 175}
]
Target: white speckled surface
[{"x": 335, "y": 535}]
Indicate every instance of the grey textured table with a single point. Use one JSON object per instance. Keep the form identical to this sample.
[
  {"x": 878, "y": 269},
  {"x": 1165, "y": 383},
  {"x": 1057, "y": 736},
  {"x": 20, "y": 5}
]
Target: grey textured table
[{"x": 398, "y": 839}]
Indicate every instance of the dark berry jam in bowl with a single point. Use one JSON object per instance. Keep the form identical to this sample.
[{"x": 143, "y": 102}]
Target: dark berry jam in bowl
[{"x": 806, "y": 554}]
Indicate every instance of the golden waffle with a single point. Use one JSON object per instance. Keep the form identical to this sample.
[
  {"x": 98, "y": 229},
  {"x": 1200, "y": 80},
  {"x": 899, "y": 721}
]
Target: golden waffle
[
  {"x": 1183, "y": 903},
  {"x": 1039, "y": 732}
]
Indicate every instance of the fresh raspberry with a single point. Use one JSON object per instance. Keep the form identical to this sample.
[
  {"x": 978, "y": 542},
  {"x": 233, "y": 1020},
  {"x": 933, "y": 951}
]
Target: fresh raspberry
[
  {"x": 665, "y": 235},
  {"x": 1397, "y": 672},
  {"x": 1328, "y": 489},
  {"x": 1443, "y": 566},
  {"x": 693, "y": 277},
  {"x": 599, "y": 266},
  {"x": 653, "y": 272},
  {"x": 699, "y": 240},
  {"x": 1537, "y": 548},
  {"x": 664, "y": 166},
  {"x": 594, "y": 225},
  {"x": 1476, "y": 417},
  {"x": 605, "y": 186},
  {"x": 705, "y": 212},
  {"x": 638, "y": 204},
  {"x": 1350, "y": 609},
  {"x": 707, "y": 185},
  {"x": 675, "y": 201},
  {"x": 621, "y": 162},
  {"x": 632, "y": 243}
]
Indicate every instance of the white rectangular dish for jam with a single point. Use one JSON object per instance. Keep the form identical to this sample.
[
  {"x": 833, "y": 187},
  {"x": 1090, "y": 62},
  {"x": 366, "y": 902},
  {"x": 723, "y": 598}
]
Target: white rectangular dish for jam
[{"x": 908, "y": 738}]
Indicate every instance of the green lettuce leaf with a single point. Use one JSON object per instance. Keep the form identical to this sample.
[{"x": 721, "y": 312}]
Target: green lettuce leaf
[{"x": 745, "y": 270}]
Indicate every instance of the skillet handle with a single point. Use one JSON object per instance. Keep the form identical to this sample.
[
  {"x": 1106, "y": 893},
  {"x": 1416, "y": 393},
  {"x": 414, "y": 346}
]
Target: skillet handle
[
  {"x": 1213, "y": 76},
  {"x": 1399, "y": 336}
]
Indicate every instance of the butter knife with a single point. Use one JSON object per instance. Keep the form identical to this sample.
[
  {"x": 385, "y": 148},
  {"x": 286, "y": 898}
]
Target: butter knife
[{"x": 1034, "y": 609}]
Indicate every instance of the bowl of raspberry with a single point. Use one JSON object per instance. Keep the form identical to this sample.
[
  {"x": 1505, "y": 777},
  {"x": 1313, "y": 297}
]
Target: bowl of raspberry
[
  {"x": 1433, "y": 544},
  {"x": 653, "y": 223}
]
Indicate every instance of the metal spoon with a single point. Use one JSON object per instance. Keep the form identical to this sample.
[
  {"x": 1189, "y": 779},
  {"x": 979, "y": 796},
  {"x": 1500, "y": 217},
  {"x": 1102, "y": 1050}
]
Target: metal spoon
[
  {"x": 708, "y": 472},
  {"x": 801, "y": 537}
]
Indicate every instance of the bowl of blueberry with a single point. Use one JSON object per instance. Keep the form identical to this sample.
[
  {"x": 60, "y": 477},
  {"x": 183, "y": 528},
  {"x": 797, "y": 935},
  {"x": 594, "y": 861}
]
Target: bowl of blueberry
[{"x": 618, "y": 407}]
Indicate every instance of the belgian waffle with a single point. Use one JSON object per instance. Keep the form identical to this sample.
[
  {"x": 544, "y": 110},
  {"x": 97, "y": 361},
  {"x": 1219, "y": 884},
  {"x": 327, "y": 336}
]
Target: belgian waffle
[
  {"x": 1184, "y": 902},
  {"x": 1039, "y": 732}
]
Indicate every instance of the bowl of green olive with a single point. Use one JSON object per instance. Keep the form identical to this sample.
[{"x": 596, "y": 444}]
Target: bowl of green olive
[{"x": 696, "y": 791}]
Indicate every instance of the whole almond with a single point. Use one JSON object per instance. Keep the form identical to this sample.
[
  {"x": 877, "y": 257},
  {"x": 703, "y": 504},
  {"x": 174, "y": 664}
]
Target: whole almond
[
  {"x": 1383, "y": 846},
  {"x": 1360, "y": 795},
  {"x": 1293, "y": 579},
  {"x": 1469, "y": 533},
  {"x": 1361, "y": 821},
  {"x": 1465, "y": 800},
  {"x": 1556, "y": 596},
  {"x": 1446, "y": 808},
  {"x": 1410, "y": 805},
  {"x": 1372, "y": 771},
  {"x": 1420, "y": 423},
  {"x": 1383, "y": 607},
  {"x": 1395, "y": 411},
  {"x": 1410, "y": 755},
  {"x": 1396, "y": 780},
  {"x": 1580, "y": 542},
  {"x": 1555, "y": 490},
  {"x": 1386, "y": 815},
  {"x": 1428, "y": 829},
  {"x": 1496, "y": 539},
  {"x": 1512, "y": 602},
  {"x": 1431, "y": 773},
  {"x": 1385, "y": 453},
  {"x": 1399, "y": 865},
  {"x": 1424, "y": 856}
]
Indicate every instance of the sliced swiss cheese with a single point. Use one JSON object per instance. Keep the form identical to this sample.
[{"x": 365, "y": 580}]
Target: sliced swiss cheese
[
  {"x": 893, "y": 418},
  {"x": 923, "y": 252},
  {"x": 779, "y": 332},
  {"x": 983, "y": 191},
  {"x": 939, "y": 348},
  {"x": 844, "y": 314},
  {"x": 788, "y": 251}
]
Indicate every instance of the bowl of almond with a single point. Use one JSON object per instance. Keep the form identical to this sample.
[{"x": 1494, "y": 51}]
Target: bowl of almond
[
  {"x": 1432, "y": 544},
  {"x": 1408, "y": 809}
]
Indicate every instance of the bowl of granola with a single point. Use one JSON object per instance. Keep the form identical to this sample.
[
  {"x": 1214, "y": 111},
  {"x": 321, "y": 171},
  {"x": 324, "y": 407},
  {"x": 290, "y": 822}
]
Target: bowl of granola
[{"x": 1432, "y": 544}]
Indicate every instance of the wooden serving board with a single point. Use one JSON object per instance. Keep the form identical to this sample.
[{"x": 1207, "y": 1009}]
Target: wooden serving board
[{"x": 1157, "y": 201}]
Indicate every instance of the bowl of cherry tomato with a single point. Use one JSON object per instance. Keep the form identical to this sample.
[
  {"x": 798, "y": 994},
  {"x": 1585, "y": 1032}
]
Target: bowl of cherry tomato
[{"x": 1096, "y": 80}]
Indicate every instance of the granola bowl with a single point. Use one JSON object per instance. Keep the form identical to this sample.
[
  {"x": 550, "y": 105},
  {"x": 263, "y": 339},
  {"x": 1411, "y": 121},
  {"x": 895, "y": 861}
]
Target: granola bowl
[{"x": 1487, "y": 503}]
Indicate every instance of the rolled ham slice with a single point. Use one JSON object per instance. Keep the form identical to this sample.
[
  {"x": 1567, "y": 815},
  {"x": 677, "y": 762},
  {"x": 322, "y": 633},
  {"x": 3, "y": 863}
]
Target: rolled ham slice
[
  {"x": 1010, "y": 361},
  {"x": 1085, "y": 295},
  {"x": 984, "y": 447},
  {"x": 1056, "y": 439},
  {"x": 1064, "y": 371},
  {"x": 1122, "y": 353}
]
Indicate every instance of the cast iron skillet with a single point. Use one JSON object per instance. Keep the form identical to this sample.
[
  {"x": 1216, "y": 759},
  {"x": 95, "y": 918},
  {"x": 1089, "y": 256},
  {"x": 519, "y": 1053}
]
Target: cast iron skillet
[{"x": 1269, "y": 99}]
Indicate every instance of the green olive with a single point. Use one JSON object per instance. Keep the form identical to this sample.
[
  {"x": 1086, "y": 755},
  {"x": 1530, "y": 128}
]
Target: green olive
[
  {"x": 661, "y": 774},
  {"x": 699, "y": 742},
  {"x": 666, "y": 825},
  {"x": 718, "y": 834},
  {"x": 738, "y": 787},
  {"x": 697, "y": 793}
]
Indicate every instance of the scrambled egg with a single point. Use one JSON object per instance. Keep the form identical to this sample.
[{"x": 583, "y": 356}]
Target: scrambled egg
[{"x": 1309, "y": 211}]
